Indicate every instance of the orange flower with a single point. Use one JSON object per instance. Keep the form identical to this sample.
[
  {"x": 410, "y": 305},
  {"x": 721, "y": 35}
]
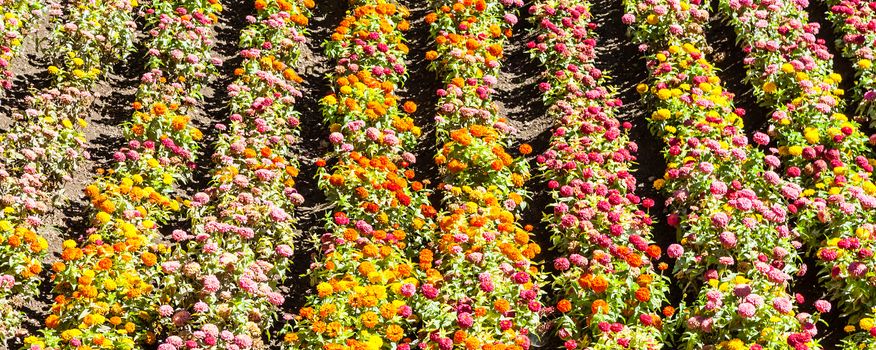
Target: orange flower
[
  {"x": 149, "y": 259},
  {"x": 52, "y": 321},
  {"x": 410, "y": 107},
  {"x": 564, "y": 306},
  {"x": 643, "y": 294},
  {"x": 394, "y": 333},
  {"x": 668, "y": 311},
  {"x": 369, "y": 319},
  {"x": 502, "y": 306},
  {"x": 104, "y": 264},
  {"x": 159, "y": 108},
  {"x": 599, "y": 284},
  {"x": 525, "y": 149},
  {"x": 431, "y": 17},
  {"x": 654, "y": 251},
  {"x": 599, "y": 306}
]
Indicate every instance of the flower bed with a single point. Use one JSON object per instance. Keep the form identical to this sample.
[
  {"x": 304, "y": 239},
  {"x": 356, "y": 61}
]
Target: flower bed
[
  {"x": 19, "y": 17},
  {"x": 45, "y": 144},
  {"x": 243, "y": 225},
  {"x": 105, "y": 283},
  {"x": 482, "y": 287},
  {"x": 855, "y": 20},
  {"x": 736, "y": 249},
  {"x": 365, "y": 280},
  {"x": 608, "y": 284},
  {"x": 825, "y": 153}
]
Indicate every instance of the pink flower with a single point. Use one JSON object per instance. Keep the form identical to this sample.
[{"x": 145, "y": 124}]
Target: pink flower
[
  {"x": 728, "y": 239},
  {"x": 464, "y": 320},
  {"x": 746, "y": 310},
  {"x": 521, "y": 277},
  {"x": 761, "y": 138},
  {"x": 408, "y": 290},
  {"x": 561, "y": 264},
  {"x": 336, "y": 138},
  {"x": 165, "y": 310},
  {"x": 429, "y": 291},
  {"x": 720, "y": 219},
  {"x": 782, "y": 305},
  {"x": 275, "y": 298},
  {"x": 284, "y": 250},
  {"x": 201, "y": 307},
  {"x": 823, "y": 306},
  {"x": 211, "y": 283},
  {"x": 674, "y": 251}
]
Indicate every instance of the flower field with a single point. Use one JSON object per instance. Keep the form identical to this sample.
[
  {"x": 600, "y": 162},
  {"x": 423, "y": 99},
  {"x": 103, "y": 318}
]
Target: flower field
[{"x": 437, "y": 174}]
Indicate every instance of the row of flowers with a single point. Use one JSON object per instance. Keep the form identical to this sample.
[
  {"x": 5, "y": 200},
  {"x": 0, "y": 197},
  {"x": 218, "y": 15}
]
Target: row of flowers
[
  {"x": 45, "y": 143},
  {"x": 824, "y": 151},
  {"x": 608, "y": 284},
  {"x": 105, "y": 283},
  {"x": 484, "y": 289},
  {"x": 20, "y": 18},
  {"x": 855, "y": 20},
  {"x": 367, "y": 289},
  {"x": 221, "y": 280},
  {"x": 736, "y": 251}
]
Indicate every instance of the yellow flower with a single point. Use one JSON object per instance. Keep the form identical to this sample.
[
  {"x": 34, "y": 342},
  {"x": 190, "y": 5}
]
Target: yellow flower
[
  {"x": 769, "y": 87},
  {"x": 324, "y": 289},
  {"x": 795, "y": 150},
  {"x": 375, "y": 342},
  {"x": 53, "y": 70},
  {"x": 869, "y": 187},
  {"x": 866, "y": 323},
  {"x": 659, "y": 183},
  {"x": 862, "y": 233},
  {"x": 811, "y": 135},
  {"x": 103, "y": 217},
  {"x": 663, "y": 94},
  {"x": 661, "y": 114},
  {"x": 864, "y": 63},
  {"x": 642, "y": 88},
  {"x": 787, "y": 68},
  {"x": 734, "y": 344}
]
